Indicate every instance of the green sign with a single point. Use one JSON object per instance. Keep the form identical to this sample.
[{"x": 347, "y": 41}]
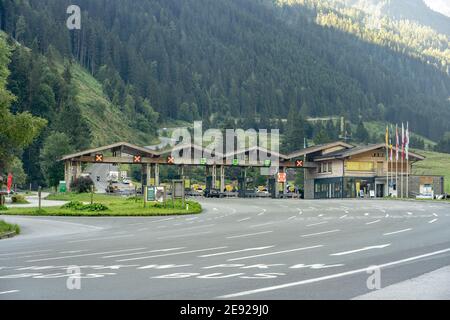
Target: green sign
[
  {"x": 151, "y": 193},
  {"x": 267, "y": 163},
  {"x": 62, "y": 187},
  {"x": 203, "y": 161},
  {"x": 235, "y": 162}
]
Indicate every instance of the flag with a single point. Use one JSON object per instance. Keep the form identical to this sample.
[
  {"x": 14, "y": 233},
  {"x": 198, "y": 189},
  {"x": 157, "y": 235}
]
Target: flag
[
  {"x": 392, "y": 153},
  {"x": 403, "y": 141},
  {"x": 9, "y": 183},
  {"x": 407, "y": 141},
  {"x": 387, "y": 142},
  {"x": 397, "y": 143}
]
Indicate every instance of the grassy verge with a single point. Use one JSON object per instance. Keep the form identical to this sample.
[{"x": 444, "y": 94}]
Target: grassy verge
[
  {"x": 6, "y": 227},
  {"x": 435, "y": 164},
  {"x": 105, "y": 205}
]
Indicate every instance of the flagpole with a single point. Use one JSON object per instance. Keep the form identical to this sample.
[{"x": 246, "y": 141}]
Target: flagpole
[
  {"x": 396, "y": 160},
  {"x": 407, "y": 160},
  {"x": 387, "y": 158},
  {"x": 402, "y": 171}
]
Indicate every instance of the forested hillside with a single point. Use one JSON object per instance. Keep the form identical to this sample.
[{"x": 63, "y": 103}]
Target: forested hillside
[
  {"x": 234, "y": 58},
  {"x": 248, "y": 63}
]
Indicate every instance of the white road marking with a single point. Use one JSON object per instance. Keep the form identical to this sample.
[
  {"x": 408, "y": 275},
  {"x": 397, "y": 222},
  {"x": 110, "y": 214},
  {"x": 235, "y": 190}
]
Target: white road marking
[
  {"x": 387, "y": 215},
  {"x": 274, "y": 253},
  {"x": 172, "y": 254},
  {"x": 262, "y": 213},
  {"x": 344, "y": 216},
  {"x": 10, "y": 291},
  {"x": 333, "y": 276},
  {"x": 395, "y": 232},
  {"x": 376, "y": 221},
  {"x": 293, "y": 217},
  {"x": 316, "y": 224},
  {"x": 245, "y": 219},
  {"x": 104, "y": 238},
  {"x": 142, "y": 252},
  {"x": 184, "y": 235},
  {"x": 359, "y": 250},
  {"x": 86, "y": 255},
  {"x": 367, "y": 214},
  {"x": 409, "y": 213},
  {"x": 190, "y": 219},
  {"x": 24, "y": 252},
  {"x": 432, "y": 221},
  {"x": 235, "y": 251},
  {"x": 249, "y": 235},
  {"x": 434, "y": 214},
  {"x": 320, "y": 215},
  {"x": 262, "y": 224},
  {"x": 320, "y": 233}
]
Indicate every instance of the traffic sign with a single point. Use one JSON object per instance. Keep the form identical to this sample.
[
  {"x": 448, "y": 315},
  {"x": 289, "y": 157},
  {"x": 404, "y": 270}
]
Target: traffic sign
[
  {"x": 267, "y": 163},
  {"x": 137, "y": 159},
  {"x": 99, "y": 158},
  {"x": 282, "y": 177},
  {"x": 235, "y": 162},
  {"x": 170, "y": 160},
  {"x": 299, "y": 163},
  {"x": 203, "y": 161}
]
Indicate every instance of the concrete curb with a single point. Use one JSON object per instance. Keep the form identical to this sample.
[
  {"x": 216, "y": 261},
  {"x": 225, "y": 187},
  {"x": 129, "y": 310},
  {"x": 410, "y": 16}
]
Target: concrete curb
[{"x": 7, "y": 235}]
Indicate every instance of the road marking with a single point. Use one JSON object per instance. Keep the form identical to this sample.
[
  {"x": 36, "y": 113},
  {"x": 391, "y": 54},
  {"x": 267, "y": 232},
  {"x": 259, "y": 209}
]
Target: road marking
[
  {"x": 245, "y": 219},
  {"x": 434, "y": 214},
  {"x": 235, "y": 251},
  {"x": 184, "y": 235},
  {"x": 333, "y": 276},
  {"x": 104, "y": 238},
  {"x": 409, "y": 213},
  {"x": 262, "y": 213},
  {"x": 142, "y": 252},
  {"x": 172, "y": 254},
  {"x": 86, "y": 255},
  {"x": 293, "y": 217},
  {"x": 262, "y": 224},
  {"x": 367, "y": 214},
  {"x": 344, "y": 216},
  {"x": 320, "y": 215},
  {"x": 316, "y": 224},
  {"x": 25, "y": 252},
  {"x": 319, "y": 233},
  {"x": 359, "y": 250},
  {"x": 10, "y": 291},
  {"x": 376, "y": 221},
  {"x": 190, "y": 219},
  {"x": 387, "y": 215},
  {"x": 274, "y": 253},
  {"x": 249, "y": 235},
  {"x": 395, "y": 232},
  {"x": 432, "y": 221}
]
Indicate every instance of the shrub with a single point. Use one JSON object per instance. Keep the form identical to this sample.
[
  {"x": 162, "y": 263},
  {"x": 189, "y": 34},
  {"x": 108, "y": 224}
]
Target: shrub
[
  {"x": 75, "y": 205},
  {"x": 19, "y": 199},
  {"x": 79, "y": 206},
  {"x": 82, "y": 185},
  {"x": 97, "y": 207},
  {"x": 3, "y": 208}
]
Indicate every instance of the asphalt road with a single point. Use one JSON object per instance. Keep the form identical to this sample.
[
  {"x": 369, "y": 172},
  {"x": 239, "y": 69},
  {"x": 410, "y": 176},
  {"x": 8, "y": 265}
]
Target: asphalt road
[{"x": 236, "y": 249}]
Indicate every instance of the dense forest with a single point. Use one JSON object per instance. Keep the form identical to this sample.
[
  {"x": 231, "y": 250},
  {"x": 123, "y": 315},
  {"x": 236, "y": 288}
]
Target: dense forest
[{"x": 230, "y": 63}]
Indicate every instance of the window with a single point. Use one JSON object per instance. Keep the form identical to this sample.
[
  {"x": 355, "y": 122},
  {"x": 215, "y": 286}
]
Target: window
[{"x": 325, "y": 167}]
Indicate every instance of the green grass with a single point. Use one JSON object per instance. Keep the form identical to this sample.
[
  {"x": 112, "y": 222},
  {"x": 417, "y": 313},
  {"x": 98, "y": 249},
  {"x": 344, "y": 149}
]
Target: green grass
[
  {"x": 117, "y": 206},
  {"x": 6, "y": 227},
  {"x": 435, "y": 164}
]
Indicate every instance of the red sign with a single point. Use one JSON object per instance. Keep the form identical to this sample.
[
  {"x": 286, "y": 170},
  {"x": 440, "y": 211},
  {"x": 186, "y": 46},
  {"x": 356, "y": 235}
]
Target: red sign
[
  {"x": 282, "y": 177},
  {"x": 137, "y": 159},
  {"x": 299, "y": 163},
  {"x": 98, "y": 158},
  {"x": 171, "y": 160},
  {"x": 9, "y": 183}
]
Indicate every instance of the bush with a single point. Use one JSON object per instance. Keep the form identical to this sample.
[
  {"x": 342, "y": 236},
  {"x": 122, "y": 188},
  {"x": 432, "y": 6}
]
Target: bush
[
  {"x": 79, "y": 206},
  {"x": 82, "y": 185},
  {"x": 75, "y": 205},
  {"x": 3, "y": 208},
  {"x": 18, "y": 199}
]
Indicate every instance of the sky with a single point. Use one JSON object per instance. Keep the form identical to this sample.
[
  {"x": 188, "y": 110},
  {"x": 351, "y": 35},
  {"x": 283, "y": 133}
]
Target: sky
[{"x": 442, "y": 6}]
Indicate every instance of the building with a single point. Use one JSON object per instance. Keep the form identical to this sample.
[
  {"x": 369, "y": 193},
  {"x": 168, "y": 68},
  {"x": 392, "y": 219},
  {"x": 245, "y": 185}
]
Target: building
[{"x": 342, "y": 170}]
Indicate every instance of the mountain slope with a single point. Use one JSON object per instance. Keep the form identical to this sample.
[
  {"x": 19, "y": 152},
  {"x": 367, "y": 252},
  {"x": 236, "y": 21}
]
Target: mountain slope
[{"x": 236, "y": 58}]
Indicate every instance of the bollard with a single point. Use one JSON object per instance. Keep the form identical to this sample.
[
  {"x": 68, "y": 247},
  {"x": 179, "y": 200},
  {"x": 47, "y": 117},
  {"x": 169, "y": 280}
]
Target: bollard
[{"x": 39, "y": 196}]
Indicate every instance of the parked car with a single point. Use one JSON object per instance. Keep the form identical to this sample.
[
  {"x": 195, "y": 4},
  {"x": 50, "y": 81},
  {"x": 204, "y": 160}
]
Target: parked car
[{"x": 212, "y": 193}]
